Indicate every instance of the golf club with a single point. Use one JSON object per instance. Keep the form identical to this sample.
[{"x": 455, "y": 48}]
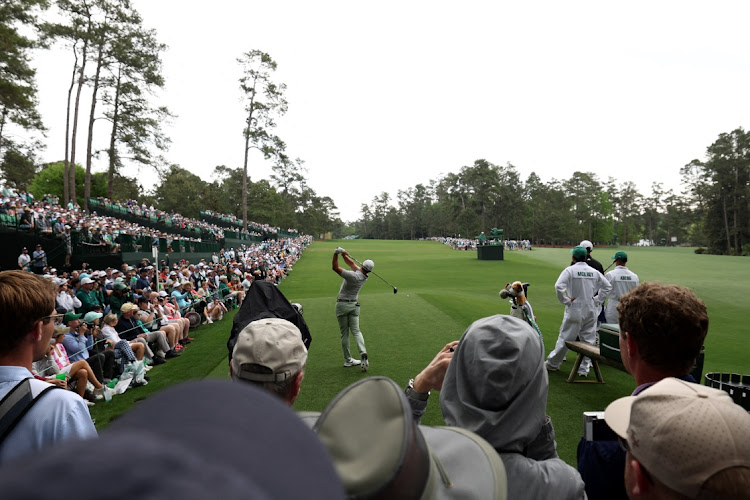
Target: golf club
[
  {"x": 395, "y": 290},
  {"x": 610, "y": 265}
]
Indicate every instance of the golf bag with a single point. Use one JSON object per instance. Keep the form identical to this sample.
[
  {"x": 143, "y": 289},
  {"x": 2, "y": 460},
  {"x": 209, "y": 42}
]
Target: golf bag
[{"x": 265, "y": 300}]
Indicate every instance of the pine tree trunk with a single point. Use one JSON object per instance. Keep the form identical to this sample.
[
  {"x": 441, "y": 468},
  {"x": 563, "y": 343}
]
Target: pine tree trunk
[
  {"x": 2, "y": 125},
  {"x": 74, "y": 134},
  {"x": 726, "y": 225},
  {"x": 66, "y": 164},
  {"x": 92, "y": 117},
  {"x": 244, "y": 182},
  {"x": 112, "y": 139}
]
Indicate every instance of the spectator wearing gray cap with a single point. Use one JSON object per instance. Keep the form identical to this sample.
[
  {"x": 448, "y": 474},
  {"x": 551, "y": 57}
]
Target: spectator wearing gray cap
[
  {"x": 270, "y": 353},
  {"x": 493, "y": 382},
  {"x": 683, "y": 441}
]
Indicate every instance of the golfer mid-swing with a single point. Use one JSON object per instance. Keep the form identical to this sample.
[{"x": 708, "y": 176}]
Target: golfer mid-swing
[{"x": 347, "y": 305}]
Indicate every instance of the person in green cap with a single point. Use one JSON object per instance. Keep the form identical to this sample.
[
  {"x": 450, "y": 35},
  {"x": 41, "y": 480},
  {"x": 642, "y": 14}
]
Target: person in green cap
[
  {"x": 623, "y": 280},
  {"x": 118, "y": 298},
  {"x": 582, "y": 289}
]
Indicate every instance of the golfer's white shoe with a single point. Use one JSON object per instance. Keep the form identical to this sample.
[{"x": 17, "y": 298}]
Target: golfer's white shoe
[
  {"x": 365, "y": 362},
  {"x": 352, "y": 362}
]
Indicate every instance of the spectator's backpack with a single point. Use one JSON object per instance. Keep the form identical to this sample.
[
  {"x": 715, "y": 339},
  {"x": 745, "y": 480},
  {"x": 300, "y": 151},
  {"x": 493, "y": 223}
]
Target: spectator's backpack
[{"x": 265, "y": 300}]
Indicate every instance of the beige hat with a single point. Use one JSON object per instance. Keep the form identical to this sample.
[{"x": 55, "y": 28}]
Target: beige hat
[
  {"x": 273, "y": 343},
  {"x": 128, "y": 306},
  {"x": 683, "y": 433}
]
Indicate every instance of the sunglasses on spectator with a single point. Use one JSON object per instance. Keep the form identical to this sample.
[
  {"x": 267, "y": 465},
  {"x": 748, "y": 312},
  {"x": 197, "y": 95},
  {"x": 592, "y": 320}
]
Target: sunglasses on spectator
[{"x": 57, "y": 318}]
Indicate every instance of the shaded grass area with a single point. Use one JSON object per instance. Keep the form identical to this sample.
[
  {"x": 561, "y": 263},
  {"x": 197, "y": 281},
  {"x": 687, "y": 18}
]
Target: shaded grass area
[
  {"x": 201, "y": 358},
  {"x": 441, "y": 292}
]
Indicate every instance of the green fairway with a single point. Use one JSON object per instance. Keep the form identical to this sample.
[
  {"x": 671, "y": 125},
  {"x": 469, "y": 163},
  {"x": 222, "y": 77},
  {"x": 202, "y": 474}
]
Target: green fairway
[{"x": 440, "y": 293}]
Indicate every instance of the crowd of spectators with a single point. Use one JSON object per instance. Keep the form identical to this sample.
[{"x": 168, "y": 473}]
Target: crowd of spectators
[
  {"x": 47, "y": 217},
  {"x": 176, "y": 220},
  {"x": 113, "y": 321},
  {"x": 125, "y": 320},
  {"x": 471, "y": 244},
  {"x": 517, "y": 245},
  {"x": 456, "y": 243},
  {"x": 103, "y": 232},
  {"x": 256, "y": 228}
]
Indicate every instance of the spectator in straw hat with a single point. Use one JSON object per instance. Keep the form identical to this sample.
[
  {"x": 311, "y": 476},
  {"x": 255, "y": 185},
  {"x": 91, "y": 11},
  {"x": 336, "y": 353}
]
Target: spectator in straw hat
[{"x": 683, "y": 440}]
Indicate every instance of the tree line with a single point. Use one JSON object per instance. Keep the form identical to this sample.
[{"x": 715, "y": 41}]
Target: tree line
[
  {"x": 117, "y": 61},
  {"x": 713, "y": 211},
  {"x": 113, "y": 58}
]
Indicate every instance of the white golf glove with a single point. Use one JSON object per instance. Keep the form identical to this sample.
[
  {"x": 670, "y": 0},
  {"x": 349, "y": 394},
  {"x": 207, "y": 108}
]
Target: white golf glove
[{"x": 339, "y": 251}]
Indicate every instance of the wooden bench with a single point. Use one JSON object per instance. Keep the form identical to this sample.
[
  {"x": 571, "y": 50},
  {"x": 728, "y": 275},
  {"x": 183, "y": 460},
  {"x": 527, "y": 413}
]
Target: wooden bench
[{"x": 585, "y": 349}]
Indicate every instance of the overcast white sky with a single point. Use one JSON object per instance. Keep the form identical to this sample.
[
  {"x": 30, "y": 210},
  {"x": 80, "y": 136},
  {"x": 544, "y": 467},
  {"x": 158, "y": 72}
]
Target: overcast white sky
[{"x": 385, "y": 95}]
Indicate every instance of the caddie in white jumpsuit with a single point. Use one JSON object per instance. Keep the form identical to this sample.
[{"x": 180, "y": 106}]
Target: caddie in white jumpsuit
[
  {"x": 347, "y": 306},
  {"x": 582, "y": 289},
  {"x": 623, "y": 280}
]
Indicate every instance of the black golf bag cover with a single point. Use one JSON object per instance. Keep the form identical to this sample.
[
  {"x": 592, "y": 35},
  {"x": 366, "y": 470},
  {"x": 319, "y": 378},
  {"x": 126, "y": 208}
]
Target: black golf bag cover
[{"x": 265, "y": 300}]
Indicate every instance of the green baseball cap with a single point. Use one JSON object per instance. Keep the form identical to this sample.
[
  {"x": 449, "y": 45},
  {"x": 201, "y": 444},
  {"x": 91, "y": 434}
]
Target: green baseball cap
[
  {"x": 70, "y": 316},
  {"x": 621, "y": 256},
  {"x": 579, "y": 252}
]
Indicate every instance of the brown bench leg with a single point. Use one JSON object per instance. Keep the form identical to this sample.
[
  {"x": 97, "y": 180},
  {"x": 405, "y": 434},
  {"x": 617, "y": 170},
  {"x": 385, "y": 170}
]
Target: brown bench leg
[
  {"x": 597, "y": 371},
  {"x": 576, "y": 365}
]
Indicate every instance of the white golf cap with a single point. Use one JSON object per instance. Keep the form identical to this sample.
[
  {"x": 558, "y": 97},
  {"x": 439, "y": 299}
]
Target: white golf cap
[
  {"x": 86, "y": 281},
  {"x": 587, "y": 244},
  {"x": 368, "y": 265}
]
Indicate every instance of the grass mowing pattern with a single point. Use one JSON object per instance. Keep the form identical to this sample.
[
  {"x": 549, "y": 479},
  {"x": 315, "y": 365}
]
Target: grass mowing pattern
[{"x": 440, "y": 293}]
